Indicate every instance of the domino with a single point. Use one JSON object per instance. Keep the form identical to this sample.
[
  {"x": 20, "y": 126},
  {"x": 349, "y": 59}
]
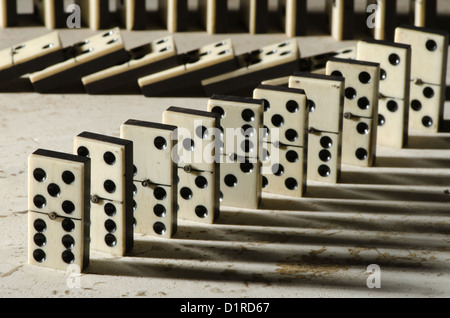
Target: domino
[
  {"x": 429, "y": 54},
  {"x": 50, "y": 12},
  {"x": 155, "y": 191},
  {"x": 214, "y": 15},
  {"x": 194, "y": 66},
  {"x": 325, "y": 123},
  {"x": 359, "y": 135},
  {"x": 292, "y": 15},
  {"x": 89, "y": 56},
  {"x": 132, "y": 13},
  {"x": 341, "y": 17},
  {"x": 30, "y": 56},
  {"x": 198, "y": 163},
  {"x": 112, "y": 203},
  {"x": 280, "y": 59},
  {"x": 174, "y": 14},
  {"x": 385, "y": 12},
  {"x": 241, "y": 120},
  {"x": 395, "y": 70},
  {"x": 8, "y": 13},
  {"x": 284, "y": 154},
  {"x": 58, "y": 210},
  {"x": 255, "y": 14},
  {"x": 95, "y": 13},
  {"x": 150, "y": 58},
  {"x": 424, "y": 12}
]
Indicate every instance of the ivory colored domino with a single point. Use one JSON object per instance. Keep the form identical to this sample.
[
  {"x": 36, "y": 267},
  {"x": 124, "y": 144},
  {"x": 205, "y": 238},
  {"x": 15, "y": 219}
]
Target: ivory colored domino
[
  {"x": 292, "y": 15},
  {"x": 155, "y": 175},
  {"x": 277, "y": 60},
  {"x": 425, "y": 12},
  {"x": 8, "y": 13},
  {"x": 89, "y": 56},
  {"x": 341, "y": 17},
  {"x": 112, "y": 201},
  {"x": 395, "y": 70},
  {"x": 30, "y": 56},
  {"x": 428, "y": 79},
  {"x": 174, "y": 14},
  {"x": 58, "y": 210},
  {"x": 95, "y": 13},
  {"x": 241, "y": 120},
  {"x": 214, "y": 15},
  {"x": 385, "y": 13},
  {"x": 255, "y": 14},
  {"x": 50, "y": 12},
  {"x": 359, "y": 135},
  {"x": 325, "y": 123},
  {"x": 154, "y": 57},
  {"x": 132, "y": 13},
  {"x": 198, "y": 163},
  {"x": 194, "y": 66}
]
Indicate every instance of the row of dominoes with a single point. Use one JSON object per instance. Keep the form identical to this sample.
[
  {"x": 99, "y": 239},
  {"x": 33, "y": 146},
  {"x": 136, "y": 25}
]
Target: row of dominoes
[{"x": 174, "y": 14}]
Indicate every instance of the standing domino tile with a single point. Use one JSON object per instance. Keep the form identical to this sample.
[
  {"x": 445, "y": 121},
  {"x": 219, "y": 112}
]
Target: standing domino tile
[
  {"x": 198, "y": 163},
  {"x": 58, "y": 210},
  {"x": 154, "y": 174},
  {"x": 280, "y": 59},
  {"x": 95, "y": 13},
  {"x": 284, "y": 153},
  {"x": 359, "y": 135},
  {"x": 293, "y": 15},
  {"x": 241, "y": 120},
  {"x": 255, "y": 15},
  {"x": 8, "y": 13},
  {"x": 385, "y": 12},
  {"x": 111, "y": 191},
  {"x": 147, "y": 59},
  {"x": 50, "y": 12},
  {"x": 89, "y": 56},
  {"x": 428, "y": 79},
  {"x": 132, "y": 14},
  {"x": 174, "y": 14},
  {"x": 325, "y": 123},
  {"x": 395, "y": 70},
  {"x": 214, "y": 15},
  {"x": 196, "y": 65},
  {"x": 341, "y": 17},
  {"x": 30, "y": 56},
  {"x": 425, "y": 12}
]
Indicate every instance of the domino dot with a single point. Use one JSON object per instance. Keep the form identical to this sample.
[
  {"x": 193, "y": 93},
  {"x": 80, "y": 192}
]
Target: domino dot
[
  {"x": 381, "y": 120},
  {"x": 292, "y": 106},
  {"x": 350, "y": 93},
  {"x": 220, "y": 196},
  {"x": 266, "y": 105},
  {"x": 324, "y": 171},
  {"x": 431, "y": 45},
  {"x": 39, "y": 256},
  {"x": 68, "y": 207},
  {"x": 135, "y": 170},
  {"x": 219, "y": 110},
  {"x": 159, "y": 210},
  {"x": 312, "y": 106},
  {"x": 364, "y": 77},
  {"x": 109, "y": 186},
  {"x": 266, "y": 132},
  {"x": 278, "y": 120},
  {"x": 265, "y": 155},
  {"x": 110, "y": 226},
  {"x": 394, "y": 59},
  {"x": 110, "y": 209},
  {"x": 68, "y": 177},
  {"x": 68, "y": 241},
  {"x": 135, "y": 190},
  {"x": 40, "y": 225},
  {"x": 160, "y": 143},
  {"x": 112, "y": 41},
  {"x": 231, "y": 181},
  {"x": 247, "y": 131},
  {"x": 362, "y": 128},
  {"x": 361, "y": 154},
  {"x": 325, "y": 155},
  {"x": 201, "y": 211},
  {"x": 383, "y": 74},
  {"x": 188, "y": 144},
  {"x": 428, "y": 92},
  {"x": 292, "y": 156},
  {"x": 278, "y": 170},
  {"x": 247, "y": 146},
  {"x": 363, "y": 103},
  {"x": 427, "y": 121},
  {"x": 110, "y": 240},
  {"x": 54, "y": 190},
  {"x": 40, "y": 239},
  {"x": 186, "y": 193},
  {"x": 326, "y": 142},
  {"x": 109, "y": 158},
  {"x": 83, "y": 152},
  {"x": 39, "y": 201},
  {"x": 285, "y": 53},
  {"x": 201, "y": 182},
  {"x": 39, "y": 175},
  {"x": 159, "y": 228},
  {"x": 416, "y": 105},
  {"x": 248, "y": 115},
  {"x": 247, "y": 167},
  {"x": 160, "y": 193},
  {"x": 68, "y": 225},
  {"x": 68, "y": 257},
  {"x": 336, "y": 73},
  {"x": 265, "y": 182},
  {"x": 291, "y": 135},
  {"x": 291, "y": 184},
  {"x": 107, "y": 34},
  {"x": 392, "y": 106},
  {"x": 201, "y": 132}
]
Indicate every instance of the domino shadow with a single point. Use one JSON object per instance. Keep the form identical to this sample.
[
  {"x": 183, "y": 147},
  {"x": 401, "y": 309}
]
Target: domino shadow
[
  {"x": 419, "y": 162},
  {"x": 432, "y": 142},
  {"x": 20, "y": 85}
]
